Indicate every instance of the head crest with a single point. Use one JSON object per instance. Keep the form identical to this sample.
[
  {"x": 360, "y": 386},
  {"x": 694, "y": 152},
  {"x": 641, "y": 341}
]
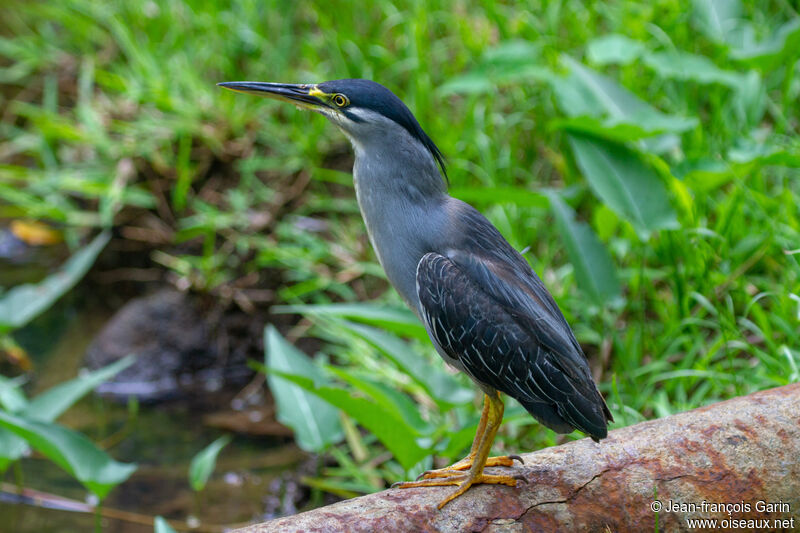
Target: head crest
[{"x": 370, "y": 95}]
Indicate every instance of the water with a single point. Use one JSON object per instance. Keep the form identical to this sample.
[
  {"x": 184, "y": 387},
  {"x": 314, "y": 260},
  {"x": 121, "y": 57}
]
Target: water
[{"x": 249, "y": 481}]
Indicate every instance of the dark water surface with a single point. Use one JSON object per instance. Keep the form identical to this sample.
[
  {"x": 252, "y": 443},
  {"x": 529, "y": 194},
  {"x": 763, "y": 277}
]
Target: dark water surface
[{"x": 161, "y": 439}]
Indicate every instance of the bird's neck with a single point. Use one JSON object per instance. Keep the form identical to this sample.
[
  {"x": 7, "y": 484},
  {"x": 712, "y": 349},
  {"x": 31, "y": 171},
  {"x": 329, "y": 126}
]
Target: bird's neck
[
  {"x": 400, "y": 195},
  {"x": 398, "y": 164}
]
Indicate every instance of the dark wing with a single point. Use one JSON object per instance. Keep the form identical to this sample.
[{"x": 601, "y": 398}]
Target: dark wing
[
  {"x": 505, "y": 275},
  {"x": 476, "y": 318}
]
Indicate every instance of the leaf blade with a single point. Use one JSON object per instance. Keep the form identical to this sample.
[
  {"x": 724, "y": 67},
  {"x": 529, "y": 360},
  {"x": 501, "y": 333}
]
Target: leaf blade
[
  {"x": 160, "y": 525},
  {"x": 594, "y": 269},
  {"x": 314, "y": 421},
  {"x": 50, "y": 404},
  {"x": 442, "y": 387},
  {"x": 391, "y": 430},
  {"x": 620, "y": 179},
  {"x": 72, "y": 451},
  {"x": 202, "y": 465},
  {"x": 21, "y": 304},
  {"x": 395, "y": 319}
]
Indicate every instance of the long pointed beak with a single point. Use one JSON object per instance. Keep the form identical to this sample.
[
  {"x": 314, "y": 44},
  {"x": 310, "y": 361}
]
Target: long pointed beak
[{"x": 301, "y": 95}]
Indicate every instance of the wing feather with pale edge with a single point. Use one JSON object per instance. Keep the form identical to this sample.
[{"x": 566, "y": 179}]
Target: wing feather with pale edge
[{"x": 510, "y": 338}]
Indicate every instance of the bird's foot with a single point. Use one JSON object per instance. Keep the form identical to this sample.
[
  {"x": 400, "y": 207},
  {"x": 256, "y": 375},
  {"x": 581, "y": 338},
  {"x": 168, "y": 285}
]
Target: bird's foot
[
  {"x": 466, "y": 464},
  {"x": 464, "y": 480}
]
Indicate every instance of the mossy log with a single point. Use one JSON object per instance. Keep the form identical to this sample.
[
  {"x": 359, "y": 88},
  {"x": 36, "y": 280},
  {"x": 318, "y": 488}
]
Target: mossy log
[{"x": 734, "y": 460}]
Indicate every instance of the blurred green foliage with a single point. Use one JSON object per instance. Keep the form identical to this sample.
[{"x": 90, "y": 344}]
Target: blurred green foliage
[
  {"x": 660, "y": 137},
  {"x": 26, "y": 424},
  {"x": 204, "y": 462}
]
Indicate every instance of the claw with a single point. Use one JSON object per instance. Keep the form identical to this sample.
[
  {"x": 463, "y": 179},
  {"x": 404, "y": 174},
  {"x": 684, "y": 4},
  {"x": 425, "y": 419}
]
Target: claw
[
  {"x": 516, "y": 458},
  {"x": 520, "y": 477}
]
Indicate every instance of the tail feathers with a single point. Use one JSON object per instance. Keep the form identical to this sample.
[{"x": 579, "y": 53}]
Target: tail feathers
[
  {"x": 575, "y": 411},
  {"x": 548, "y": 415},
  {"x": 580, "y": 403}
]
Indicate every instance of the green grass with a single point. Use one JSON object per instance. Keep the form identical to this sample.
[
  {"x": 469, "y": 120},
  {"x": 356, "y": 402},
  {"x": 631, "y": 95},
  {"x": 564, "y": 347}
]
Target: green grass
[{"x": 111, "y": 117}]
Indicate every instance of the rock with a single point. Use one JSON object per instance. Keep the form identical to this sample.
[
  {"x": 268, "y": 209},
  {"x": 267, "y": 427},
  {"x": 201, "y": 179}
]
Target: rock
[{"x": 173, "y": 341}]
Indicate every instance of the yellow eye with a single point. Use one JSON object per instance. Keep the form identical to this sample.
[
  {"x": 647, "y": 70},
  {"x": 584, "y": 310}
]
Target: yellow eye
[{"x": 340, "y": 100}]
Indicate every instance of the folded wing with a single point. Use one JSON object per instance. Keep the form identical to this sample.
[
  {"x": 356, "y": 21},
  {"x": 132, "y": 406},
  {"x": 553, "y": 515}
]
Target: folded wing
[{"x": 493, "y": 316}]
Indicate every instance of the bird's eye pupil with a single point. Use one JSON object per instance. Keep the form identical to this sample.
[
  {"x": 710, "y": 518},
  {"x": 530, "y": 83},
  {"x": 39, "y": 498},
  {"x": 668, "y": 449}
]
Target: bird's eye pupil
[{"x": 339, "y": 100}]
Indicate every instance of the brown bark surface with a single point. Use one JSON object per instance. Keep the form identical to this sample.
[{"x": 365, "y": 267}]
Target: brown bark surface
[{"x": 738, "y": 453}]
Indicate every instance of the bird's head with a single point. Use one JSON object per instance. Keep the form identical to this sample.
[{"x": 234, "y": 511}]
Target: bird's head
[{"x": 362, "y": 109}]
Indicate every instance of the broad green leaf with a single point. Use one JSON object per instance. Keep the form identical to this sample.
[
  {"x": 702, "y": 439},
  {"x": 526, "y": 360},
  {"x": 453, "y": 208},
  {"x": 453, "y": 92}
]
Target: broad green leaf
[
  {"x": 398, "y": 437},
  {"x": 750, "y": 100},
  {"x": 703, "y": 175},
  {"x": 594, "y": 269},
  {"x": 748, "y": 151},
  {"x": 50, "y": 404},
  {"x": 614, "y": 49},
  {"x": 11, "y": 396},
  {"x": 690, "y": 67},
  {"x": 389, "y": 399},
  {"x": 315, "y": 423},
  {"x": 620, "y": 132},
  {"x": 12, "y": 447},
  {"x": 160, "y": 525},
  {"x": 441, "y": 386},
  {"x": 512, "y": 53},
  {"x": 13, "y": 400},
  {"x": 781, "y": 46},
  {"x": 21, "y": 304},
  {"x": 395, "y": 319},
  {"x": 204, "y": 462},
  {"x": 469, "y": 83},
  {"x": 71, "y": 451},
  {"x": 620, "y": 179},
  {"x": 586, "y": 93},
  {"x": 718, "y": 19},
  {"x": 509, "y": 62},
  {"x": 604, "y": 221},
  {"x": 478, "y": 196}
]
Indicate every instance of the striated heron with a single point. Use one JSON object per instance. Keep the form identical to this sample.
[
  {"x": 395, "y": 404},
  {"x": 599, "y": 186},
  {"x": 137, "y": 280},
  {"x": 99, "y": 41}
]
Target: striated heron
[{"x": 487, "y": 313}]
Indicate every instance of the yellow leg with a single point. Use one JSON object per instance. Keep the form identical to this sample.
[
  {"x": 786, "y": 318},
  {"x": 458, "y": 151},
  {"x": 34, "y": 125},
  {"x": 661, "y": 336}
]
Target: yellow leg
[
  {"x": 481, "y": 426},
  {"x": 466, "y": 462},
  {"x": 474, "y": 463}
]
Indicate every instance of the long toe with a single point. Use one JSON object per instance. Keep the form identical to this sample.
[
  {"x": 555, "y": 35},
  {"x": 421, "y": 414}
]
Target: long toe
[
  {"x": 469, "y": 480},
  {"x": 456, "y": 479},
  {"x": 466, "y": 464},
  {"x": 442, "y": 472},
  {"x": 503, "y": 460},
  {"x": 464, "y": 480}
]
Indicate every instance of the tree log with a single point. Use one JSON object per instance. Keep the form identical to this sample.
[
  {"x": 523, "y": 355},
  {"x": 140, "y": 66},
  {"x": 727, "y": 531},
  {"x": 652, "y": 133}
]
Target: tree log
[{"x": 737, "y": 460}]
